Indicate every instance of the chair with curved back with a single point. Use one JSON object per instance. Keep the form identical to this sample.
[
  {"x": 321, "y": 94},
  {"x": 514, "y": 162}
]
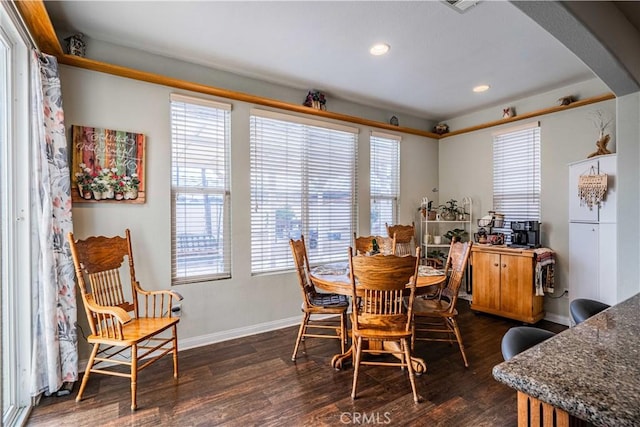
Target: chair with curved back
[
  {"x": 582, "y": 308},
  {"x": 434, "y": 319},
  {"x": 314, "y": 303},
  {"x": 364, "y": 244},
  {"x": 142, "y": 322},
  {"x": 404, "y": 236},
  {"x": 380, "y": 314},
  {"x": 520, "y": 338}
]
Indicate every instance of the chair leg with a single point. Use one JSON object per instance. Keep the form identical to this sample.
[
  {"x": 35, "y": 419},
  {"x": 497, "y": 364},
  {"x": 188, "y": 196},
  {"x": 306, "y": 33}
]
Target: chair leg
[
  {"x": 356, "y": 367},
  {"x": 87, "y": 371},
  {"x": 134, "y": 376},
  {"x": 303, "y": 326},
  {"x": 413, "y": 334},
  {"x": 343, "y": 331},
  {"x": 412, "y": 377},
  {"x": 459, "y": 339},
  {"x": 175, "y": 351}
]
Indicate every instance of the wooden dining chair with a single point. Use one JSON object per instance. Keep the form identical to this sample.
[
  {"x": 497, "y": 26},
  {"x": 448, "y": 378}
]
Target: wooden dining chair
[
  {"x": 364, "y": 244},
  {"x": 404, "y": 237},
  {"x": 434, "y": 319},
  {"x": 317, "y": 303},
  {"x": 380, "y": 282},
  {"x": 141, "y": 321}
]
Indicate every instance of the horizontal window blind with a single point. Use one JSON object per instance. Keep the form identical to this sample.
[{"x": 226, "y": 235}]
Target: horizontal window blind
[
  {"x": 200, "y": 231},
  {"x": 516, "y": 174},
  {"x": 384, "y": 180},
  {"x": 303, "y": 182}
]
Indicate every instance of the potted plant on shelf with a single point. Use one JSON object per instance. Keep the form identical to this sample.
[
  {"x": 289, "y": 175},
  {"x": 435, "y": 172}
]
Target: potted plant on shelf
[
  {"x": 450, "y": 210},
  {"x": 428, "y": 212},
  {"x": 456, "y": 235}
]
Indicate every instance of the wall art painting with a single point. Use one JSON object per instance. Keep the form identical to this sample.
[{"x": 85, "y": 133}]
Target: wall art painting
[{"x": 107, "y": 165}]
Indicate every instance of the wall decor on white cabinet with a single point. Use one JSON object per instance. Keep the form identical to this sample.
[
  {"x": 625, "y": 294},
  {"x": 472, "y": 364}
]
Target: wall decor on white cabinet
[{"x": 592, "y": 234}]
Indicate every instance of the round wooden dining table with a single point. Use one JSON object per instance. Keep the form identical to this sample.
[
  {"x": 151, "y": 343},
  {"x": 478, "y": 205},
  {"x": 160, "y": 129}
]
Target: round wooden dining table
[{"x": 335, "y": 278}]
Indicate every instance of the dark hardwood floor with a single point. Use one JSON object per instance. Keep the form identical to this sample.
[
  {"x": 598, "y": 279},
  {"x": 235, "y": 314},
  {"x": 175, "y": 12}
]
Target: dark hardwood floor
[{"x": 252, "y": 381}]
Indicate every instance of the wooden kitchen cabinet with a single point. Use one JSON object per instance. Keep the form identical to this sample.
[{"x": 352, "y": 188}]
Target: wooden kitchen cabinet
[{"x": 503, "y": 283}]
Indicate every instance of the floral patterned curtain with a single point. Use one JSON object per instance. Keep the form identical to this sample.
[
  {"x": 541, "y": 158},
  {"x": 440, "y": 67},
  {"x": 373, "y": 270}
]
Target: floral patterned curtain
[{"x": 55, "y": 353}]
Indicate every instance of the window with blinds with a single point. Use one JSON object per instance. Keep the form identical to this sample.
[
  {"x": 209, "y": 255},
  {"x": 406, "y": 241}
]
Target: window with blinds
[
  {"x": 385, "y": 181},
  {"x": 516, "y": 174},
  {"x": 200, "y": 216},
  {"x": 303, "y": 182}
]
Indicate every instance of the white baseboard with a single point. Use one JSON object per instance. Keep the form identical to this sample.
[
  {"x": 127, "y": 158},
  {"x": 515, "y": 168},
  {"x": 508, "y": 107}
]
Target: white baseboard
[
  {"x": 193, "y": 342},
  {"x": 556, "y": 318},
  {"x": 202, "y": 340}
]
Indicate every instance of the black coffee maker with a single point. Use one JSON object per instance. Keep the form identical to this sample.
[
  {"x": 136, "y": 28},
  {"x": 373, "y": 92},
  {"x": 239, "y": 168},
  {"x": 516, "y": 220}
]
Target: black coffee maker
[{"x": 525, "y": 234}]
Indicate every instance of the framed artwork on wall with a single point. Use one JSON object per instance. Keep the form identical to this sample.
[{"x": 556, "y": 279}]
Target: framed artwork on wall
[{"x": 107, "y": 165}]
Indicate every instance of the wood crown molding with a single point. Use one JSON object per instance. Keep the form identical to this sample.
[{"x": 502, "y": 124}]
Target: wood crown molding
[{"x": 39, "y": 25}]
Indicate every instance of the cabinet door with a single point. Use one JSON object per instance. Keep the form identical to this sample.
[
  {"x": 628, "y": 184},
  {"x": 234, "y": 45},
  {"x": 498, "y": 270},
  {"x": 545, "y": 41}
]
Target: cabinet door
[
  {"x": 607, "y": 262},
  {"x": 516, "y": 281},
  {"x": 486, "y": 280},
  {"x": 583, "y": 261}
]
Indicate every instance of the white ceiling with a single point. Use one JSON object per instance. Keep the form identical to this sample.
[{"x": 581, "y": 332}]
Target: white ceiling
[{"x": 437, "y": 54}]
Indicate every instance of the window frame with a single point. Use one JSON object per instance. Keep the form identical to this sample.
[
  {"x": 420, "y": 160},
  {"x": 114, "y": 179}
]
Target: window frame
[
  {"x": 15, "y": 205},
  {"x": 394, "y": 194},
  {"x": 525, "y": 161},
  {"x": 201, "y": 190},
  {"x": 308, "y": 153}
]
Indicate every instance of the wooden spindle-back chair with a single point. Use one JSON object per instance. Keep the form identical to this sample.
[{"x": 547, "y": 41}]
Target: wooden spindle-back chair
[
  {"x": 120, "y": 322},
  {"x": 316, "y": 303},
  {"x": 435, "y": 319},
  {"x": 380, "y": 283},
  {"x": 404, "y": 237}
]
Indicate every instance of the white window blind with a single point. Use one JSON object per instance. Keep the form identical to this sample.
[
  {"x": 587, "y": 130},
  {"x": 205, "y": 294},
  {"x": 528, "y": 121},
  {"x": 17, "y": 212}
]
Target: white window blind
[
  {"x": 303, "y": 181},
  {"x": 385, "y": 181},
  {"x": 516, "y": 174},
  {"x": 200, "y": 231}
]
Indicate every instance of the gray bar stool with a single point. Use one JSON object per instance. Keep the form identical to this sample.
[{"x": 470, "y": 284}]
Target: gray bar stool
[
  {"x": 582, "y": 308},
  {"x": 520, "y": 338}
]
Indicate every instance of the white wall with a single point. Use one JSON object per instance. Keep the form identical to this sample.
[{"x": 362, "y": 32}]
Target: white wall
[
  {"x": 567, "y": 136},
  {"x": 222, "y": 309}
]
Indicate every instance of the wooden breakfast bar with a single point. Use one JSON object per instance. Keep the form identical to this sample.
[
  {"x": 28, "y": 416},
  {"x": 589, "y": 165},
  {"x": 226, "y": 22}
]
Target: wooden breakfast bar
[{"x": 590, "y": 372}]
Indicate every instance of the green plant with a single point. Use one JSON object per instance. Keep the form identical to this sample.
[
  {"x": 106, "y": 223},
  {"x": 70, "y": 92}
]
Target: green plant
[
  {"x": 436, "y": 254},
  {"x": 456, "y": 235},
  {"x": 99, "y": 185},
  {"x": 84, "y": 179},
  {"x": 133, "y": 182},
  {"x": 451, "y": 207}
]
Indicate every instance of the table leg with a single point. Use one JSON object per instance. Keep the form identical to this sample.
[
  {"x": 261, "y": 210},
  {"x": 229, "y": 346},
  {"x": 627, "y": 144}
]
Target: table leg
[
  {"x": 419, "y": 366},
  {"x": 339, "y": 359}
]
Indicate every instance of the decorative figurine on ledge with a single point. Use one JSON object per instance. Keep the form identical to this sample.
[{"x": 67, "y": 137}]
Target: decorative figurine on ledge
[
  {"x": 76, "y": 45},
  {"x": 508, "y": 112},
  {"x": 566, "y": 100},
  {"x": 316, "y": 99},
  {"x": 601, "y": 121},
  {"x": 441, "y": 128}
]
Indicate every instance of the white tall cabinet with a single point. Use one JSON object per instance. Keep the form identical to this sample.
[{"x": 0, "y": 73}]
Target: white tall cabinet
[{"x": 592, "y": 235}]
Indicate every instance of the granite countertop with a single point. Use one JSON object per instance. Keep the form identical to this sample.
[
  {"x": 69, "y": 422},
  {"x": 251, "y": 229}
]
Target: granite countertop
[{"x": 591, "y": 371}]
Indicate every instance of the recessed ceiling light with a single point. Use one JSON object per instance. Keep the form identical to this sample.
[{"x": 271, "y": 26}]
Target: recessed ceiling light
[
  {"x": 481, "y": 88},
  {"x": 379, "y": 49}
]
